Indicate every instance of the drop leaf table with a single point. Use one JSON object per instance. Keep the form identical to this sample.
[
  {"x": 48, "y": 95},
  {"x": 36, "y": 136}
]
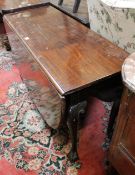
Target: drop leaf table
[{"x": 73, "y": 61}]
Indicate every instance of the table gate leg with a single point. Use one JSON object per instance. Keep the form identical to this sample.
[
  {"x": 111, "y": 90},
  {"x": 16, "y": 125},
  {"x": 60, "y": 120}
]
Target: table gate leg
[{"x": 74, "y": 114}]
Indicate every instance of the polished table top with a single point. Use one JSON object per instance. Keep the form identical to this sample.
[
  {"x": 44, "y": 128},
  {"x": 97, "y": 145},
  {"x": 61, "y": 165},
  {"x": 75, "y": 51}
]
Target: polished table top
[
  {"x": 71, "y": 55},
  {"x": 8, "y": 5}
]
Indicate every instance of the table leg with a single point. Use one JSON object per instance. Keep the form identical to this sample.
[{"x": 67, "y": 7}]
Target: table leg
[
  {"x": 60, "y": 2},
  {"x": 73, "y": 119},
  {"x": 1, "y": 18},
  {"x": 76, "y": 6},
  {"x": 6, "y": 43},
  {"x": 114, "y": 112}
]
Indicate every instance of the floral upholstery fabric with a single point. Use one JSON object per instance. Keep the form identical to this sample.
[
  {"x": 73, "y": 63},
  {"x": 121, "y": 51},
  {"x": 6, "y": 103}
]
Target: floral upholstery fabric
[{"x": 115, "y": 24}]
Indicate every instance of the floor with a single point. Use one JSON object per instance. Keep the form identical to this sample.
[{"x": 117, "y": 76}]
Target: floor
[{"x": 68, "y": 6}]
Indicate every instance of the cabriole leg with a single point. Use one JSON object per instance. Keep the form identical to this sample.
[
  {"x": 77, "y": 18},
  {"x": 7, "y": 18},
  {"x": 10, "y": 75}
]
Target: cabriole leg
[{"x": 73, "y": 120}]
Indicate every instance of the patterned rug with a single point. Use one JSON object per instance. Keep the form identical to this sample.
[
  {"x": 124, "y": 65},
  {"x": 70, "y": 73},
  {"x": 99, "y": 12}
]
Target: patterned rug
[{"x": 28, "y": 146}]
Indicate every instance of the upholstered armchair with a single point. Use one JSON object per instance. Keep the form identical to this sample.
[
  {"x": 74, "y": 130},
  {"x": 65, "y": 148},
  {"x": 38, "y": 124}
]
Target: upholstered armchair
[{"x": 114, "y": 20}]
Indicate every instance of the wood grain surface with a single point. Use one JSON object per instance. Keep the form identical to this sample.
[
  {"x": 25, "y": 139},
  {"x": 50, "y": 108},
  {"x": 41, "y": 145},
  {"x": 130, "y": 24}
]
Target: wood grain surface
[{"x": 72, "y": 56}]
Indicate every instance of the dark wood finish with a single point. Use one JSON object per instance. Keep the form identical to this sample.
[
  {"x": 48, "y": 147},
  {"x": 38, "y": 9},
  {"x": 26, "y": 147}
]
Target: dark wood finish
[
  {"x": 10, "y": 6},
  {"x": 1, "y": 18},
  {"x": 113, "y": 114},
  {"x": 27, "y": 59},
  {"x": 109, "y": 90},
  {"x": 122, "y": 150},
  {"x": 72, "y": 56},
  {"x": 77, "y": 61},
  {"x": 75, "y": 113}
]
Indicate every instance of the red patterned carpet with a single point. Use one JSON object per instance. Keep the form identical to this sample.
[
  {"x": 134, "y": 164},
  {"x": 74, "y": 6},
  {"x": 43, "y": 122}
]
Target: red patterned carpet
[{"x": 28, "y": 146}]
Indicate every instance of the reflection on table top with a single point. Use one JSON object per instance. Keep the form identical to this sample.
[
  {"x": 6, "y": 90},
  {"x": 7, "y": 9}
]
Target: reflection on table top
[{"x": 69, "y": 53}]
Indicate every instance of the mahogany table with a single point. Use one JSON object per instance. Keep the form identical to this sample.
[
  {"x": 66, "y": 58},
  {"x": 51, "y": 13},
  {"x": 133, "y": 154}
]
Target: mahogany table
[
  {"x": 75, "y": 60},
  {"x": 12, "y": 6}
]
